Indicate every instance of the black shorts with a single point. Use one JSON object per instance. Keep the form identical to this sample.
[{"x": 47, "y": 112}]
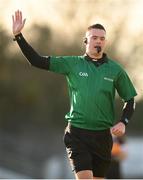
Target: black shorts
[{"x": 88, "y": 149}]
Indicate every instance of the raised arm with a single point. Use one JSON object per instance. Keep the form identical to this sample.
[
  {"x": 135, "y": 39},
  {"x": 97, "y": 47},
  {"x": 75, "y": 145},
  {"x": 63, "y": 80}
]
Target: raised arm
[{"x": 32, "y": 56}]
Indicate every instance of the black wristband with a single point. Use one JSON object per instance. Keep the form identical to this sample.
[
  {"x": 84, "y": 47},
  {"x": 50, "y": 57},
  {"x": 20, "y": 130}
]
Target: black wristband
[
  {"x": 17, "y": 37},
  {"x": 125, "y": 121}
]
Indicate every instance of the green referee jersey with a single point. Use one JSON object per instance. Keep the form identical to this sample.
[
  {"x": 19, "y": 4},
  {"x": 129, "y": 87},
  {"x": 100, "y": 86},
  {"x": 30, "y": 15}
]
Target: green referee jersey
[{"x": 92, "y": 90}]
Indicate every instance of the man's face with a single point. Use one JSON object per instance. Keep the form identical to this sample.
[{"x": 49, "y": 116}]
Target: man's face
[{"x": 95, "y": 37}]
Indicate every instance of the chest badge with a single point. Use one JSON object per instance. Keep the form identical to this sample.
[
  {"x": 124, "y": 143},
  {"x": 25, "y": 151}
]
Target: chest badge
[{"x": 83, "y": 74}]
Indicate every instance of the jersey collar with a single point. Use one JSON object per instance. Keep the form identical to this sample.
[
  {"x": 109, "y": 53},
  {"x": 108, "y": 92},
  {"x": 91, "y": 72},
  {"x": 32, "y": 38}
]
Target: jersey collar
[{"x": 98, "y": 62}]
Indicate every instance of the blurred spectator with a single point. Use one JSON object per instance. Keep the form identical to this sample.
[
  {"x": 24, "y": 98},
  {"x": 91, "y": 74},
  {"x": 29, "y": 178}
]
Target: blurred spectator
[{"x": 119, "y": 153}]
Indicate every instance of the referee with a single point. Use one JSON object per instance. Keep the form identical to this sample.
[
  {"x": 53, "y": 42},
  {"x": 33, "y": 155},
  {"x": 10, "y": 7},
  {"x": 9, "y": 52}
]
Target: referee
[{"x": 92, "y": 79}]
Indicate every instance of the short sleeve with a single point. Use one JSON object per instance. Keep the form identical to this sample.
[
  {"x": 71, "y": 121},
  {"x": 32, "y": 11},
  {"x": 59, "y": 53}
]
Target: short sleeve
[
  {"x": 124, "y": 86},
  {"x": 62, "y": 64}
]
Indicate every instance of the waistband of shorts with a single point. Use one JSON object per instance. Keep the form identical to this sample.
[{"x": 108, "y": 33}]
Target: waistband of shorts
[{"x": 71, "y": 128}]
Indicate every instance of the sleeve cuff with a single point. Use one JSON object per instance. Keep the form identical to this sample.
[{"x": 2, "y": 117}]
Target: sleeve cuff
[
  {"x": 125, "y": 121},
  {"x": 17, "y": 37}
]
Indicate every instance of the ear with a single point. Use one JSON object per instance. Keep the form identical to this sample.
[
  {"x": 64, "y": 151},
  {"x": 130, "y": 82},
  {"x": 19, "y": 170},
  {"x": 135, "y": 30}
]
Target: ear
[{"x": 85, "y": 41}]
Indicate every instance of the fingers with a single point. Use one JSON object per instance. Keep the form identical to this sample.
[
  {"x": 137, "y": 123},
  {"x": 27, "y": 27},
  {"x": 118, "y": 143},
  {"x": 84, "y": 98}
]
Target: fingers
[
  {"x": 17, "y": 16},
  {"x": 117, "y": 132},
  {"x": 118, "y": 129},
  {"x": 23, "y": 22},
  {"x": 20, "y": 16},
  {"x": 13, "y": 19}
]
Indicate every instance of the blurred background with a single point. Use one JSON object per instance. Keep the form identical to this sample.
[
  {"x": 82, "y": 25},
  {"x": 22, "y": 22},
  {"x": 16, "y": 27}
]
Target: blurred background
[{"x": 33, "y": 102}]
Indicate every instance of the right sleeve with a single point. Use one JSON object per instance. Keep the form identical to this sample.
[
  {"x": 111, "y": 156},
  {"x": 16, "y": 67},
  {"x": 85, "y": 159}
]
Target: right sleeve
[
  {"x": 32, "y": 56},
  {"x": 62, "y": 64}
]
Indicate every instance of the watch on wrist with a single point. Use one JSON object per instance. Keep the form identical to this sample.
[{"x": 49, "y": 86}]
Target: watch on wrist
[
  {"x": 17, "y": 37},
  {"x": 125, "y": 121}
]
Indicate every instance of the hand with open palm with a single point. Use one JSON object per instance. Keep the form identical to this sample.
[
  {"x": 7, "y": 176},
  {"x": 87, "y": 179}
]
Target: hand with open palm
[{"x": 18, "y": 22}]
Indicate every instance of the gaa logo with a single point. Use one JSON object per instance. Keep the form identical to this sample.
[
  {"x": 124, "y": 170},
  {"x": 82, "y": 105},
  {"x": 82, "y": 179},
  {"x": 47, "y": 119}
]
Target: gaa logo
[{"x": 83, "y": 74}]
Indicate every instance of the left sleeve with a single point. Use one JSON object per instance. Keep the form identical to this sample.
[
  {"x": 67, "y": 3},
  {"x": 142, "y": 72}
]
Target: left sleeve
[{"x": 124, "y": 86}]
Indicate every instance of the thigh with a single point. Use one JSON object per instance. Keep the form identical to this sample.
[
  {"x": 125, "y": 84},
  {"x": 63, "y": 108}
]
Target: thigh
[
  {"x": 101, "y": 153},
  {"x": 114, "y": 170},
  {"x": 100, "y": 144},
  {"x": 100, "y": 166},
  {"x": 89, "y": 150},
  {"x": 80, "y": 158}
]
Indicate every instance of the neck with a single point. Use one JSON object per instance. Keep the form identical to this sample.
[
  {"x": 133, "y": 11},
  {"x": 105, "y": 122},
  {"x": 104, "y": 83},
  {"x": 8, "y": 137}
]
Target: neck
[{"x": 95, "y": 56}]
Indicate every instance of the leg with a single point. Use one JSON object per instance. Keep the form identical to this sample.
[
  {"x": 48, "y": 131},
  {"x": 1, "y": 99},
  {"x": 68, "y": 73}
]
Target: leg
[
  {"x": 101, "y": 162},
  {"x": 101, "y": 167},
  {"x": 85, "y": 174},
  {"x": 85, "y": 157},
  {"x": 78, "y": 155},
  {"x": 114, "y": 170},
  {"x": 98, "y": 178}
]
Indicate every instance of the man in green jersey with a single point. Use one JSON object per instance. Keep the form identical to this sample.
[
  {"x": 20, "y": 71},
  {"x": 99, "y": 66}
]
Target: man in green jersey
[{"x": 92, "y": 80}]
